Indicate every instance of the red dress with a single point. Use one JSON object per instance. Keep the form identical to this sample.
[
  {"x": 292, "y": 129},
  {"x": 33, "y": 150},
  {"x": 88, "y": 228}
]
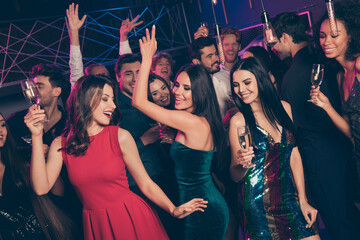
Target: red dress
[{"x": 110, "y": 209}]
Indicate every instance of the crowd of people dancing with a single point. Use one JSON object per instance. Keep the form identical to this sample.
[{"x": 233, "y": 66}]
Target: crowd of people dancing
[{"x": 240, "y": 150}]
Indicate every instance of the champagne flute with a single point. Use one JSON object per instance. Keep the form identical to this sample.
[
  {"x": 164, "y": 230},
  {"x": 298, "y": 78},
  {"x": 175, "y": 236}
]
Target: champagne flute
[
  {"x": 31, "y": 94},
  {"x": 163, "y": 131},
  {"x": 205, "y": 25},
  {"x": 317, "y": 75},
  {"x": 245, "y": 141}
]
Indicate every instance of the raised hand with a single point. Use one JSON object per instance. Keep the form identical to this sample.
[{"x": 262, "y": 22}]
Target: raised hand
[
  {"x": 148, "y": 44},
  {"x": 34, "y": 119},
  {"x": 196, "y": 204},
  {"x": 72, "y": 14},
  {"x": 309, "y": 213},
  {"x": 318, "y": 98},
  {"x": 201, "y": 32},
  {"x": 127, "y": 26},
  {"x": 244, "y": 156}
]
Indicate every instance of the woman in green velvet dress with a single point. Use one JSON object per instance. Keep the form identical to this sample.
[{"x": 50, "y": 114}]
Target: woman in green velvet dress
[{"x": 200, "y": 132}]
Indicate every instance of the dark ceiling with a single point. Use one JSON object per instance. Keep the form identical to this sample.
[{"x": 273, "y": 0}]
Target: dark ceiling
[{"x": 22, "y": 9}]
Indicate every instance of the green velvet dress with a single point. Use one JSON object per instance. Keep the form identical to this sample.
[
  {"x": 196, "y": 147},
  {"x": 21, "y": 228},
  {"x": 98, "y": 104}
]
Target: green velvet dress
[{"x": 192, "y": 169}]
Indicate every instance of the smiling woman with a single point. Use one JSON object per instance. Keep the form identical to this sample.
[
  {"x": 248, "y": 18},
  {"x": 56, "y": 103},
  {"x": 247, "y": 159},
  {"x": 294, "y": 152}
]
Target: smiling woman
[
  {"x": 344, "y": 48},
  {"x": 159, "y": 92},
  {"x": 200, "y": 134},
  {"x": 268, "y": 197},
  {"x": 96, "y": 152}
]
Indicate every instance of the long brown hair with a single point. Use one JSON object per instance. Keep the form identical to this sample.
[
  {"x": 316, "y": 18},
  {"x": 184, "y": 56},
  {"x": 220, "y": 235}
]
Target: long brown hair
[
  {"x": 54, "y": 223},
  {"x": 84, "y": 98}
]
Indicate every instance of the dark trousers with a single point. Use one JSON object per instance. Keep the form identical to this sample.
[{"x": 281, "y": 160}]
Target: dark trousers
[{"x": 326, "y": 169}]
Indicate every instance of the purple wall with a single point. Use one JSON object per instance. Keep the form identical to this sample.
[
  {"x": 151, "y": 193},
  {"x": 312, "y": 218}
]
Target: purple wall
[{"x": 241, "y": 15}]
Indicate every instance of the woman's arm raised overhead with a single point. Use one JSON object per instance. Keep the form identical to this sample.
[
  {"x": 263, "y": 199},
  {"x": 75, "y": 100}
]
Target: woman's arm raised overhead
[{"x": 180, "y": 120}]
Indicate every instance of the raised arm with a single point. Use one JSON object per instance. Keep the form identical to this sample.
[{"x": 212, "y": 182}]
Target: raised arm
[
  {"x": 74, "y": 25},
  {"x": 43, "y": 174},
  {"x": 147, "y": 186},
  {"x": 180, "y": 120},
  {"x": 126, "y": 27},
  {"x": 320, "y": 100}
]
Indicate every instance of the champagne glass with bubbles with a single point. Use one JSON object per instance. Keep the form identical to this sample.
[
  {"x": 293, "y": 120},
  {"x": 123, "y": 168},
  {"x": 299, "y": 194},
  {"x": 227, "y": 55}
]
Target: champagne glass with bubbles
[
  {"x": 245, "y": 141},
  {"x": 31, "y": 94},
  {"x": 317, "y": 75}
]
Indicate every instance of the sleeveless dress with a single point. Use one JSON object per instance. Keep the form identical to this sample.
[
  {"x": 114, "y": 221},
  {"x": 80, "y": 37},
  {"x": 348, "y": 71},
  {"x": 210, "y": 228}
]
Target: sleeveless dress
[
  {"x": 110, "y": 209},
  {"x": 267, "y": 195},
  {"x": 351, "y": 107},
  {"x": 192, "y": 169}
]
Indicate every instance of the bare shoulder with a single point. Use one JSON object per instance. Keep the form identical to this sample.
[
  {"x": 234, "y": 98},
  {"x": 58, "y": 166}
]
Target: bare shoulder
[
  {"x": 238, "y": 119},
  {"x": 57, "y": 142},
  {"x": 287, "y": 108},
  {"x": 124, "y": 136}
]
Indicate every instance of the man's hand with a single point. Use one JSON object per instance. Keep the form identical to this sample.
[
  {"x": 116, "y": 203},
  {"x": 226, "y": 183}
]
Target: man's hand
[
  {"x": 74, "y": 23},
  {"x": 151, "y": 135},
  {"x": 127, "y": 26}
]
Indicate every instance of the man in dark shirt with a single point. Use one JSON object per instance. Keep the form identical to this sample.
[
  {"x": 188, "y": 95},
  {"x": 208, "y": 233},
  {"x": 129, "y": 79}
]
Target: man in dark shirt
[
  {"x": 324, "y": 149},
  {"x": 145, "y": 135},
  {"x": 52, "y": 86}
]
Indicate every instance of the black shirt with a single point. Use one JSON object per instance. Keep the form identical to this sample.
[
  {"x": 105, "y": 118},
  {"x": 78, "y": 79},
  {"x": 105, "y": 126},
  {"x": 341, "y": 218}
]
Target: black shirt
[
  {"x": 309, "y": 120},
  {"x": 19, "y": 129}
]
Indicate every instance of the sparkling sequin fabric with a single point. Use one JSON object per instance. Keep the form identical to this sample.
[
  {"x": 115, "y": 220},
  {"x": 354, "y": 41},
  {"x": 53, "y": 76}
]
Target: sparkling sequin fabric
[
  {"x": 352, "y": 109},
  {"x": 267, "y": 195},
  {"x": 17, "y": 219}
]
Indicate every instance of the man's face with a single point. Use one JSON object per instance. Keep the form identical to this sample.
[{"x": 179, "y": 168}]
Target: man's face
[
  {"x": 100, "y": 70},
  {"x": 281, "y": 49},
  {"x": 163, "y": 68},
  {"x": 47, "y": 94},
  {"x": 210, "y": 59},
  {"x": 127, "y": 77},
  {"x": 231, "y": 47}
]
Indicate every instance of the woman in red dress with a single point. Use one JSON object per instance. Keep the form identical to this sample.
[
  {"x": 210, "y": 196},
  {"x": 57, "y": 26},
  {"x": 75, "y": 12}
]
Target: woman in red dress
[{"x": 96, "y": 152}]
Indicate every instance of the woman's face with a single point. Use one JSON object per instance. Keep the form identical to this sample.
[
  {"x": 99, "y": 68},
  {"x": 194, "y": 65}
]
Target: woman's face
[
  {"x": 245, "y": 86},
  {"x": 102, "y": 113},
  {"x": 334, "y": 47},
  {"x": 3, "y": 131},
  {"x": 182, "y": 93},
  {"x": 160, "y": 93}
]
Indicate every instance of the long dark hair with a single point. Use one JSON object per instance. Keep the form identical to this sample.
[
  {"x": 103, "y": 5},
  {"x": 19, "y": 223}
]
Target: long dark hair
[
  {"x": 206, "y": 105},
  {"x": 84, "y": 98},
  {"x": 152, "y": 78},
  {"x": 54, "y": 223},
  {"x": 269, "y": 99}
]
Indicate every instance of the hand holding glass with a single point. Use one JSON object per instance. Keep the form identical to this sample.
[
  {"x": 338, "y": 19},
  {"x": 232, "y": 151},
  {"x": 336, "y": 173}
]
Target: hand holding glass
[
  {"x": 317, "y": 75},
  {"x": 245, "y": 142},
  {"x": 31, "y": 94}
]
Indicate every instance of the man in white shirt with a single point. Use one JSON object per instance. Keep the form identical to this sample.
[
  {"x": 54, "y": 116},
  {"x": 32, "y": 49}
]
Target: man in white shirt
[
  {"x": 200, "y": 51},
  {"x": 76, "y": 63}
]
